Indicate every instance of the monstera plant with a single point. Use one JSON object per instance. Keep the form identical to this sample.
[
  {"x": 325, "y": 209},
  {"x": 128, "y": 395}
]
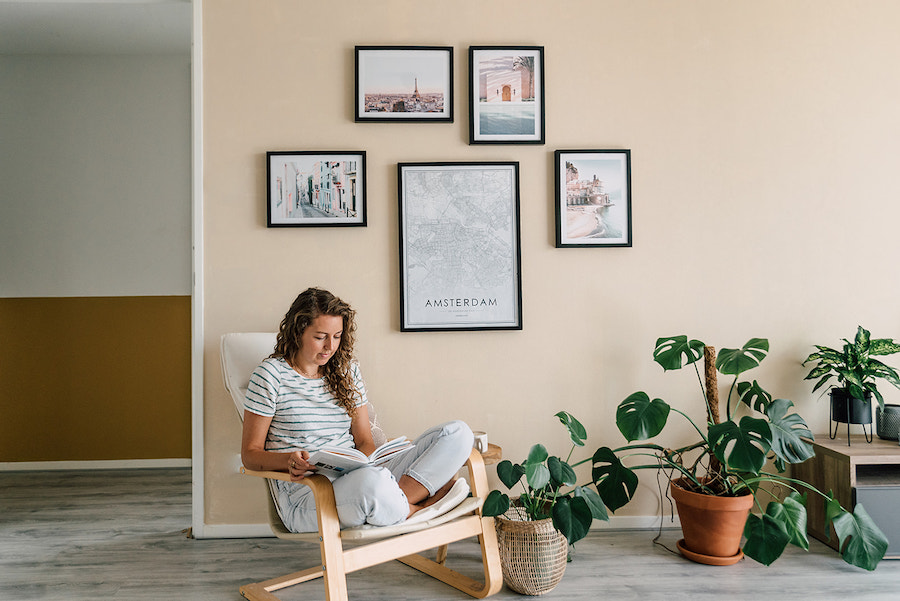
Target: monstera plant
[{"x": 735, "y": 451}]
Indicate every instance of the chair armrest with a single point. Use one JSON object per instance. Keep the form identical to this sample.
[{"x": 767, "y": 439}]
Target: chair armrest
[
  {"x": 477, "y": 475},
  {"x": 317, "y": 482}
]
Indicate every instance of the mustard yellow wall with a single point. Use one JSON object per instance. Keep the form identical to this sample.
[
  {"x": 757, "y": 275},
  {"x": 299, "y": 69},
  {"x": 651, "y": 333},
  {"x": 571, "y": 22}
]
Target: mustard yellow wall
[
  {"x": 764, "y": 135},
  {"x": 95, "y": 378}
]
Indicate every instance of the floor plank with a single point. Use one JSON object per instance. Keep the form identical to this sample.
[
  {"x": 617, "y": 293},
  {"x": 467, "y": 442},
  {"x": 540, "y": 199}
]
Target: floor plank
[{"x": 120, "y": 535}]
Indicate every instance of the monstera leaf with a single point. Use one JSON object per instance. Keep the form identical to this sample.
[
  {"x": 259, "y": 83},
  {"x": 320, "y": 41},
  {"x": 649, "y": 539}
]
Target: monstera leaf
[
  {"x": 572, "y": 516},
  {"x": 736, "y": 361},
  {"x": 615, "y": 483},
  {"x": 753, "y": 396},
  {"x": 509, "y": 473},
  {"x": 788, "y": 432},
  {"x": 742, "y": 447},
  {"x": 639, "y": 418},
  {"x": 673, "y": 352},
  {"x": 561, "y": 473},
  {"x": 576, "y": 431},
  {"x": 861, "y": 542}
]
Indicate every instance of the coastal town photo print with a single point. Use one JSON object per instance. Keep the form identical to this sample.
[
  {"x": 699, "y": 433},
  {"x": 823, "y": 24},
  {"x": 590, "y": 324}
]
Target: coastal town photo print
[
  {"x": 404, "y": 83},
  {"x": 593, "y": 198}
]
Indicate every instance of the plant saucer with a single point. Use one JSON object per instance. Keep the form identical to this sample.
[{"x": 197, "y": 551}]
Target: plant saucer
[{"x": 710, "y": 560}]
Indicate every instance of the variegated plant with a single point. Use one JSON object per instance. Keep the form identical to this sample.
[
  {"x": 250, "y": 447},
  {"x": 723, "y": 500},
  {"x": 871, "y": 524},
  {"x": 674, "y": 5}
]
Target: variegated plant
[{"x": 854, "y": 366}]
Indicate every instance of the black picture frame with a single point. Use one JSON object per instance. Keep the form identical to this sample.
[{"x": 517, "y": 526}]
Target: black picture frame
[
  {"x": 460, "y": 246},
  {"x": 412, "y": 84},
  {"x": 506, "y": 95},
  {"x": 593, "y": 198},
  {"x": 312, "y": 188}
]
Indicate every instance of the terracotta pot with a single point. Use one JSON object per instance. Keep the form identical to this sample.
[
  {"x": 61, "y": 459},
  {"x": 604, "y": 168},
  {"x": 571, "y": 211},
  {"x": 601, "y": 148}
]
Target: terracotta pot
[{"x": 712, "y": 526}]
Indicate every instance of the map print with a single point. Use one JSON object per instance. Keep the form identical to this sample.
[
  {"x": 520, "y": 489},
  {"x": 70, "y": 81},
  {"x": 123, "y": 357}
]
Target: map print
[{"x": 460, "y": 255}]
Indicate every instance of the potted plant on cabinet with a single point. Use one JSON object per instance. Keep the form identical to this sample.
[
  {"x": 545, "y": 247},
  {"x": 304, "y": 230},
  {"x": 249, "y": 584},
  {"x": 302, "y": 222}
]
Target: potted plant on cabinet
[
  {"x": 857, "y": 373},
  {"x": 728, "y": 461},
  {"x": 552, "y": 511}
]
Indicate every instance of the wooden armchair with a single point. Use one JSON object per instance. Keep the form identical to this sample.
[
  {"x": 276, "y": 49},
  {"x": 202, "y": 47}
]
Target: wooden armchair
[{"x": 240, "y": 354}]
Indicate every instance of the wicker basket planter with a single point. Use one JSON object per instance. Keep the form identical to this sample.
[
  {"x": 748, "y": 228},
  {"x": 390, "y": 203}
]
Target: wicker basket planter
[{"x": 532, "y": 553}]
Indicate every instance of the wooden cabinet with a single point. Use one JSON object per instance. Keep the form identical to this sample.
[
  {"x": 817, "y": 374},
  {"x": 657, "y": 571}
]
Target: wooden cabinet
[{"x": 866, "y": 472}]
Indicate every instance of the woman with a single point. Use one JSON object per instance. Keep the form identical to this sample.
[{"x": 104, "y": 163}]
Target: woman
[{"x": 308, "y": 394}]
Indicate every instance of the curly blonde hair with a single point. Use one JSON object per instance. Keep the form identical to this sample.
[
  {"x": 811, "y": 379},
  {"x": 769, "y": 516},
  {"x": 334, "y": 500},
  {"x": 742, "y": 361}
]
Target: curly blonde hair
[{"x": 310, "y": 304}]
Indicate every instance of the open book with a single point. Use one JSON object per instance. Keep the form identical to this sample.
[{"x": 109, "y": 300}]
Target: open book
[{"x": 335, "y": 461}]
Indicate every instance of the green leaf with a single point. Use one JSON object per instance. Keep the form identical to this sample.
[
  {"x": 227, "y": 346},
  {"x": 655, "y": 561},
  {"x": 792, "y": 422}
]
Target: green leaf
[
  {"x": 509, "y": 474},
  {"x": 754, "y": 396},
  {"x": 615, "y": 483},
  {"x": 537, "y": 475},
  {"x": 766, "y": 538},
  {"x": 561, "y": 473},
  {"x": 673, "y": 352},
  {"x": 883, "y": 346},
  {"x": 737, "y": 361},
  {"x": 572, "y": 517},
  {"x": 593, "y": 500},
  {"x": 496, "y": 503},
  {"x": 639, "y": 418},
  {"x": 791, "y": 514},
  {"x": 862, "y": 544},
  {"x": 861, "y": 342},
  {"x": 743, "y": 447},
  {"x": 788, "y": 432},
  {"x": 537, "y": 454},
  {"x": 576, "y": 431}
]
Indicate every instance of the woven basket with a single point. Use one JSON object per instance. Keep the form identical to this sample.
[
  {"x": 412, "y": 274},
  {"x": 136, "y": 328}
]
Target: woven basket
[{"x": 532, "y": 553}]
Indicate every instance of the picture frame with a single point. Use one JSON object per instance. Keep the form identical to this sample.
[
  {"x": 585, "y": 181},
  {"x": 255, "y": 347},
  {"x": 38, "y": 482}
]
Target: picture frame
[
  {"x": 460, "y": 246},
  {"x": 315, "y": 188},
  {"x": 404, "y": 84},
  {"x": 593, "y": 198},
  {"x": 506, "y": 95}
]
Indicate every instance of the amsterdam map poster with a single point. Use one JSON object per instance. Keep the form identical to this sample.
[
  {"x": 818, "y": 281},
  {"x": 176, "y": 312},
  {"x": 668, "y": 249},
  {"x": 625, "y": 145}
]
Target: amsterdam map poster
[{"x": 459, "y": 246}]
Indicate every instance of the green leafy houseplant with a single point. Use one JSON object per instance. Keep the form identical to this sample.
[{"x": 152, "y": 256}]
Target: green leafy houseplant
[
  {"x": 549, "y": 488},
  {"x": 731, "y": 454},
  {"x": 854, "y": 366}
]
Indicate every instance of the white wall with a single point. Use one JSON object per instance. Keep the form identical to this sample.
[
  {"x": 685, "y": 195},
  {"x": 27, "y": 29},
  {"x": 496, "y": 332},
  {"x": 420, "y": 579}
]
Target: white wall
[
  {"x": 764, "y": 137},
  {"x": 95, "y": 175}
]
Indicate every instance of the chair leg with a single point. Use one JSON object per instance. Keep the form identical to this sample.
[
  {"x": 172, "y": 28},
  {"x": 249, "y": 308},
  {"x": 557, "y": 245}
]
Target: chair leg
[
  {"x": 332, "y": 550},
  {"x": 490, "y": 560}
]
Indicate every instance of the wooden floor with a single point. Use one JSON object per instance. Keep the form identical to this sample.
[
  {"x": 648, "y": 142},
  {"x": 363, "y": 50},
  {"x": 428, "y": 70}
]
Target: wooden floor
[{"x": 120, "y": 535}]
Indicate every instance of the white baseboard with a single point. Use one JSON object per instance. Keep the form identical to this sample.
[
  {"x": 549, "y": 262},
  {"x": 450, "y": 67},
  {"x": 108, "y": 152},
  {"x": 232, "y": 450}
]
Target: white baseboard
[
  {"x": 113, "y": 464},
  {"x": 638, "y": 522},
  {"x": 233, "y": 531}
]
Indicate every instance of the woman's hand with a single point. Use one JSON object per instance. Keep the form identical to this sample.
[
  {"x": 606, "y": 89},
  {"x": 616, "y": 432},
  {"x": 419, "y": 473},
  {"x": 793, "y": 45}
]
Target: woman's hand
[{"x": 298, "y": 466}]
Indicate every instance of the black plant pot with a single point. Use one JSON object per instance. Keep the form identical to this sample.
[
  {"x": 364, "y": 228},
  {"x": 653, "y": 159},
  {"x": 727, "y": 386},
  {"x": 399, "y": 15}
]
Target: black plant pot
[
  {"x": 847, "y": 409},
  {"x": 887, "y": 422}
]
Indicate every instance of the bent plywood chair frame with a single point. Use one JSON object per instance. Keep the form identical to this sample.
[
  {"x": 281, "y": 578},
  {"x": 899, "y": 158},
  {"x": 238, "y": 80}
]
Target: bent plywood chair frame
[{"x": 404, "y": 543}]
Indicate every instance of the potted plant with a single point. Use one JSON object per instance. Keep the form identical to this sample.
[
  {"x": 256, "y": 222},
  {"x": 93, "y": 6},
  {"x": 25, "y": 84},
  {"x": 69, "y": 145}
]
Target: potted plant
[
  {"x": 857, "y": 373},
  {"x": 552, "y": 511},
  {"x": 729, "y": 460}
]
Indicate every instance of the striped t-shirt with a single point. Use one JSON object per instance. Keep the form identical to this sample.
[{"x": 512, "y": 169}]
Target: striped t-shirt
[{"x": 304, "y": 413}]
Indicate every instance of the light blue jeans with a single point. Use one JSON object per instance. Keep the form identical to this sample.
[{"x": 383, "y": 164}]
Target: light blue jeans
[{"x": 371, "y": 495}]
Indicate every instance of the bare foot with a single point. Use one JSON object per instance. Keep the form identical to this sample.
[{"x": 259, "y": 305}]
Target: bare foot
[{"x": 438, "y": 494}]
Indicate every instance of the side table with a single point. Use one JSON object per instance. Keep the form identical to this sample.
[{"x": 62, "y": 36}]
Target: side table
[
  {"x": 867, "y": 473},
  {"x": 493, "y": 454}
]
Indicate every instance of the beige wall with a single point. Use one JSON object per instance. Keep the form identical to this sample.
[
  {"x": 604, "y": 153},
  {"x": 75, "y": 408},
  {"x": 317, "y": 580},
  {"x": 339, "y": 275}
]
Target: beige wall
[{"x": 764, "y": 139}]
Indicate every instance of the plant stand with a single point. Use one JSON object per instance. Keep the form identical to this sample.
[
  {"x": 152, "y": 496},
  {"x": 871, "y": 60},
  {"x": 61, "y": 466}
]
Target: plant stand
[{"x": 846, "y": 409}]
